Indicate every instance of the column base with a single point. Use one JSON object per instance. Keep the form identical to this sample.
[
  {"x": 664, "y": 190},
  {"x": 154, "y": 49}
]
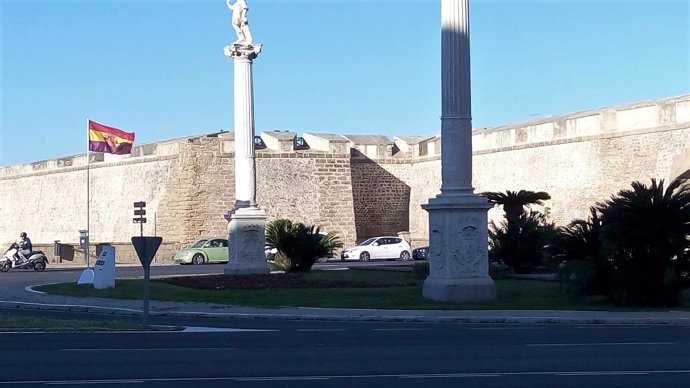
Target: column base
[
  {"x": 459, "y": 289},
  {"x": 246, "y": 240}
]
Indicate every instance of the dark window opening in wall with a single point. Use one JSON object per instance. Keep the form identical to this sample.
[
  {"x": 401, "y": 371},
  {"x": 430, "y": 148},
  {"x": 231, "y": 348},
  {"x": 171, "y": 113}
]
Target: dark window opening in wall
[
  {"x": 423, "y": 148},
  {"x": 259, "y": 143},
  {"x": 300, "y": 144}
]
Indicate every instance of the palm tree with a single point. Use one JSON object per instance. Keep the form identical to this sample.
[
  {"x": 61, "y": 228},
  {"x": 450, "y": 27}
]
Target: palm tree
[
  {"x": 584, "y": 266},
  {"x": 298, "y": 244},
  {"x": 514, "y": 202},
  {"x": 645, "y": 231}
]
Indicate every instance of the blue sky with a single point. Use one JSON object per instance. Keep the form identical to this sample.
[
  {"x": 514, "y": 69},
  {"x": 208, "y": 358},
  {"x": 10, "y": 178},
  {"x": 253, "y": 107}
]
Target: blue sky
[{"x": 350, "y": 67}]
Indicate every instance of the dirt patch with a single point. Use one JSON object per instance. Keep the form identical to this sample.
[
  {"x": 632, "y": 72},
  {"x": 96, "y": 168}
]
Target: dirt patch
[{"x": 272, "y": 281}]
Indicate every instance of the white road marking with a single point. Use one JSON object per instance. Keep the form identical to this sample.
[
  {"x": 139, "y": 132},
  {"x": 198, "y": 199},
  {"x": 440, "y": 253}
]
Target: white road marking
[
  {"x": 196, "y": 329},
  {"x": 139, "y": 349},
  {"x": 403, "y": 329},
  {"x": 369, "y": 376},
  {"x": 607, "y": 344},
  {"x": 317, "y": 330}
]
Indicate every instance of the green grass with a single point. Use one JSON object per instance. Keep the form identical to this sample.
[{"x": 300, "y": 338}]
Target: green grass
[
  {"x": 41, "y": 323},
  {"x": 511, "y": 294}
]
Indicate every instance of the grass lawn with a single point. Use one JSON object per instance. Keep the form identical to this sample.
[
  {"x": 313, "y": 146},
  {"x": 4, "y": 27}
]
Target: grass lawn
[
  {"x": 405, "y": 293},
  {"x": 11, "y": 322}
]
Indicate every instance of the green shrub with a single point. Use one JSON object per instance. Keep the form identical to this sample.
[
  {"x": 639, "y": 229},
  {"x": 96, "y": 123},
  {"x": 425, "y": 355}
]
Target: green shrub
[
  {"x": 421, "y": 269},
  {"x": 523, "y": 243},
  {"x": 299, "y": 245},
  {"x": 645, "y": 233},
  {"x": 575, "y": 278}
]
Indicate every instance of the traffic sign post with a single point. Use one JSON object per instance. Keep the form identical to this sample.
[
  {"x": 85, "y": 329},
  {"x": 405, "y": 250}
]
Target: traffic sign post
[
  {"x": 139, "y": 215},
  {"x": 146, "y": 248}
]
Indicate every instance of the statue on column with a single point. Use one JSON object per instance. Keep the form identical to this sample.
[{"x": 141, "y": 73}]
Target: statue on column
[{"x": 240, "y": 21}]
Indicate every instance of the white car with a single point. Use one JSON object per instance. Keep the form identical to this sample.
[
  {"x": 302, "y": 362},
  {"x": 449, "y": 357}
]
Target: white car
[{"x": 385, "y": 247}]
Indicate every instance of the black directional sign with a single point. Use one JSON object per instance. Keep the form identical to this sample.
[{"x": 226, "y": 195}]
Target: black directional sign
[{"x": 146, "y": 248}]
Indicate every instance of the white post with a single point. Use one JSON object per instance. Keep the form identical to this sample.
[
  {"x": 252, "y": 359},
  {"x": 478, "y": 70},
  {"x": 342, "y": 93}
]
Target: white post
[{"x": 458, "y": 234}]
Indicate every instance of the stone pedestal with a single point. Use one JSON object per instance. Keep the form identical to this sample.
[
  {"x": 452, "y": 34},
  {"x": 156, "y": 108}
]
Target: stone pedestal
[
  {"x": 458, "y": 262},
  {"x": 246, "y": 241},
  {"x": 247, "y": 222},
  {"x": 458, "y": 228}
]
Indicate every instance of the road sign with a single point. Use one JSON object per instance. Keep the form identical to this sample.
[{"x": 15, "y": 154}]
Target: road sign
[
  {"x": 146, "y": 248},
  {"x": 140, "y": 212},
  {"x": 141, "y": 220},
  {"x": 140, "y": 204}
]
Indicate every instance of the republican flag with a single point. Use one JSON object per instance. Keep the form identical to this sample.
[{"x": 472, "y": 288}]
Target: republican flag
[{"x": 110, "y": 140}]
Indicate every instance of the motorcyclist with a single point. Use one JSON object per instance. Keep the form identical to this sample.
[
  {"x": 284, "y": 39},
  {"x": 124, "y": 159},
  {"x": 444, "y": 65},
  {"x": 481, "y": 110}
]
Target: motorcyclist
[{"x": 25, "y": 247}]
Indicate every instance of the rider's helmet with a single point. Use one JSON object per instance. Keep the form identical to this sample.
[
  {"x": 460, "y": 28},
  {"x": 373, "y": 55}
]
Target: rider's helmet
[{"x": 22, "y": 234}]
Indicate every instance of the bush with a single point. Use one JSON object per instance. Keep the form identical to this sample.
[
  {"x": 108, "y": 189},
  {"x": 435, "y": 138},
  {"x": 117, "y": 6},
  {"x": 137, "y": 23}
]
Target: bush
[
  {"x": 523, "y": 243},
  {"x": 575, "y": 278},
  {"x": 645, "y": 233},
  {"x": 299, "y": 245},
  {"x": 421, "y": 269}
]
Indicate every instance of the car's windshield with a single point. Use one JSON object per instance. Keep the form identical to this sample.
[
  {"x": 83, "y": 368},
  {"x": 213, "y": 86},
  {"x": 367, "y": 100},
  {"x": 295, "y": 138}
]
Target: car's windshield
[
  {"x": 199, "y": 244},
  {"x": 367, "y": 241}
]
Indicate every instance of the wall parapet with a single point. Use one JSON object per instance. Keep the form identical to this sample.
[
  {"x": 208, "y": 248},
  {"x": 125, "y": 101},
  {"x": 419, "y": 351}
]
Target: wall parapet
[{"x": 649, "y": 116}]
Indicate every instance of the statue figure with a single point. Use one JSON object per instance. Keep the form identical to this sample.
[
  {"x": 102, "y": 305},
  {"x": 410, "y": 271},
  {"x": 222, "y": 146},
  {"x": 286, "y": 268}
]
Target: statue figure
[{"x": 239, "y": 21}]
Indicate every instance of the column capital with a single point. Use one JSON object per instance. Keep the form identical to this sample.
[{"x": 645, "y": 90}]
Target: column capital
[{"x": 239, "y": 51}]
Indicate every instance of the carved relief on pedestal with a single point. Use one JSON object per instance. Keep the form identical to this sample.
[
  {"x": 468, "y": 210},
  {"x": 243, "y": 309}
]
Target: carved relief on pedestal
[
  {"x": 249, "y": 245},
  {"x": 469, "y": 249},
  {"x": 437, "y": 247}
]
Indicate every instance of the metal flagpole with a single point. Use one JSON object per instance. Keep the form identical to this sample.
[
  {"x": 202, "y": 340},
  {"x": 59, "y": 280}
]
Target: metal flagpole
[
  {"x": 86, "y": 276},
  {"x": 88, "y": 197}
]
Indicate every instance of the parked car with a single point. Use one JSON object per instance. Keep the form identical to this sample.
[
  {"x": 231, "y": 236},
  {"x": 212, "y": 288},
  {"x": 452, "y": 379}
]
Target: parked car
[
  {"x": 206, "y": 250},
  {"x": 421, "y": 253},
  {"x": 385, "y": 247}
]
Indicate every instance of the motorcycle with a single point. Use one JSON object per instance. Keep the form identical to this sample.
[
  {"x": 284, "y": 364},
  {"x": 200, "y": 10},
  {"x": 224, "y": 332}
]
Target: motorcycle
[{"x": 36, "y": 260}]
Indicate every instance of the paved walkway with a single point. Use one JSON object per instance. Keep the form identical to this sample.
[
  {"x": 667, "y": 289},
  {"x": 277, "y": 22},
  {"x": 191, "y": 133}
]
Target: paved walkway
[{"x": 27, "y": 299}]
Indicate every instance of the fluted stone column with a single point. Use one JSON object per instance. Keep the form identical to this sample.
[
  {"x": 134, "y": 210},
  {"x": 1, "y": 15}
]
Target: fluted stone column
[
  {"x": 458, "y": 234},
  {"x": 247, "y": 222}
]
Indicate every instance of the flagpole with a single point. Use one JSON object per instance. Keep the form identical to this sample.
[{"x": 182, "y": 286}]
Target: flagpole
[
  {"x": 88, "y": 197},
  {"x": 86, "y": 276}
]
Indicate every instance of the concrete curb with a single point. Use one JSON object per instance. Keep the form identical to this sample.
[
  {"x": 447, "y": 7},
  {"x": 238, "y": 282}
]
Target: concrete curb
[{"x": 435, "y": 316}]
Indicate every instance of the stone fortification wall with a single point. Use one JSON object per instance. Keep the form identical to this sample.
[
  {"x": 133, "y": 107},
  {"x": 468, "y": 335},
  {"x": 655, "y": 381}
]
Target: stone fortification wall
[
  {"x": 584, "y": 158},
  {"x": 359, "y": 186},
  {"x": 188, "y": 185},
  {"x": 579, "y": 159}
]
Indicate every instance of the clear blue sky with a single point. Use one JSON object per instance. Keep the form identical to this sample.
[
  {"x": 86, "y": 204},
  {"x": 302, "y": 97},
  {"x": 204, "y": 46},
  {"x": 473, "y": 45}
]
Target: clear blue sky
[{"x": 350, "y": 67}]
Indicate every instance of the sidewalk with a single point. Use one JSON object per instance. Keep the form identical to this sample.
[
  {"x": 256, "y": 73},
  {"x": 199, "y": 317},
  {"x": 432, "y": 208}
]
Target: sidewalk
[{"x": 28, "y": 299}]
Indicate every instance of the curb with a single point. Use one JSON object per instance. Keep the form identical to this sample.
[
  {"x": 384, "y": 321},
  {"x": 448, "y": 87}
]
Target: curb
[{"x": 121, "y": 311}]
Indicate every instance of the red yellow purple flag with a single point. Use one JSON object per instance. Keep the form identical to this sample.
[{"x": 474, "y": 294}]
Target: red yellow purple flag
[{"x": 108, "y": 139}]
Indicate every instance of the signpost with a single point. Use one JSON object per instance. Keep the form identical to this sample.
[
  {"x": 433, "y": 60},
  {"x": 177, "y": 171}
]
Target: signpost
[
  {"x": 139, "y": 215},
  {"x": 146, "y": 248}
]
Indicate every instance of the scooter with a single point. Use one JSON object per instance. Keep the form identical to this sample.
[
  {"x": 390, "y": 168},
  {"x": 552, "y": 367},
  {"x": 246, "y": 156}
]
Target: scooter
[{"x": 36, "y": 260}]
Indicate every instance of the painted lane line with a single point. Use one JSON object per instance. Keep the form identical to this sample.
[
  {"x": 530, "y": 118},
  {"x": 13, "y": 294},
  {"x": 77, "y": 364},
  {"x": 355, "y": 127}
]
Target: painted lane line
[
  {"x": 367, "y": 376},
  {"x": 603, "y": 373},
  {"x": 199, "y": 329},
  {"x": 140, "y": 349},
  {"x": 318, "y": 330},
  {"x": 95, "y": 382},
  {"x": 607, "y": 344},
  {"x": 403, "y": 329}
]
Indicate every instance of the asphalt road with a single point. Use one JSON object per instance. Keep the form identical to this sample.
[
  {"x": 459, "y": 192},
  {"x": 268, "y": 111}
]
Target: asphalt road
[{"x": 340, "y": 354}]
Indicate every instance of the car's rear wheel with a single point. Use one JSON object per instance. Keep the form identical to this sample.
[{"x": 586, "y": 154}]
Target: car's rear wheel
[
  {"x": 364, "y": 256},
  {"x": 198, "y": 259},
  {"x": 404, "y": 255}
]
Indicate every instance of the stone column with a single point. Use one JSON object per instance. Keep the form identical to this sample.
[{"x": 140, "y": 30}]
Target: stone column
[
  {"x": 247, "y": 221},
  {"x": 458, "y": 232}
]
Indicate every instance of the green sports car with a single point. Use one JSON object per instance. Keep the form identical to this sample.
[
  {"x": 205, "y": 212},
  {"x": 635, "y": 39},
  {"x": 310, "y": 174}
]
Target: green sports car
[{"x": 207, "y": 250}]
